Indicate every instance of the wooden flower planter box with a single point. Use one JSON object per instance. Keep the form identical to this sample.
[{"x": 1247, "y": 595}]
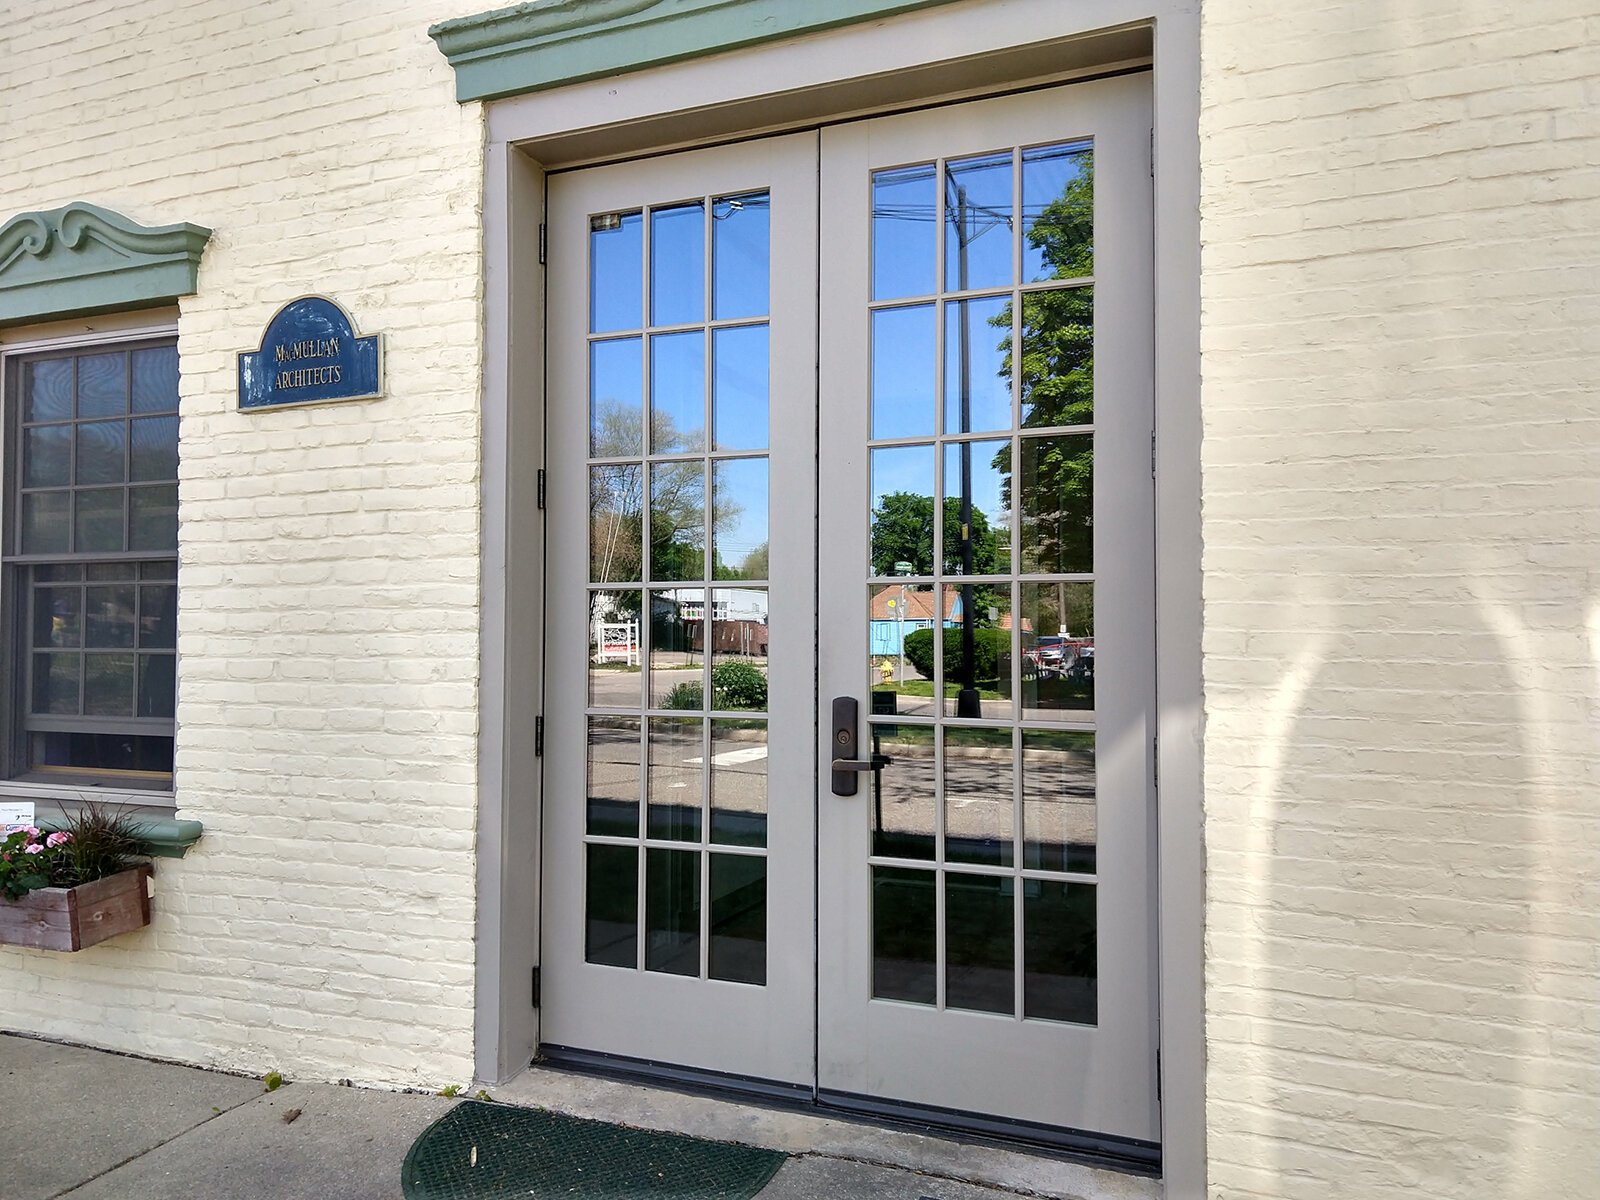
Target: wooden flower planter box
[{"x": 75, "y": 917}]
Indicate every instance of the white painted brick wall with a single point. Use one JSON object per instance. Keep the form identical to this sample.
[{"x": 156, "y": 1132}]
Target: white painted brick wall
[
  {"x": 329, "y": 557},
  {"x": 1401, "y": 331}
]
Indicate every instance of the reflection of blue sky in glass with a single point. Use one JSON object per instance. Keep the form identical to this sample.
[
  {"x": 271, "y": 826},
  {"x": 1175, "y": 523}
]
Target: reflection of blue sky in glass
[
  {"x": 1046, "y": 172},
  {"x": 903, "y": 208},
  {"x": 739, "y": 260},
  {"x": 616, "y": 397},
  {"x": 616, "y": 263},
  {"x": 903, "y": 361},
  {"x": 740, "y": 381},
  {"x": 978, "y": 212},
  {"x": 739, "y": 514},
  {"x": 902, "y": 469},
  {"x": 986, "y": 481},
  {"x": 986, "y": 377},
  {"x": 677, "y": 392},
  {"x": 677, "y": 264}
]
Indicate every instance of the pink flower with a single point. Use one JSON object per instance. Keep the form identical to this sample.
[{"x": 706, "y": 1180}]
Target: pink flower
[
  {"x": 60, "y": 838},
  {"x": 31, "y": 833},
  {"x": 33, "y": 848}
]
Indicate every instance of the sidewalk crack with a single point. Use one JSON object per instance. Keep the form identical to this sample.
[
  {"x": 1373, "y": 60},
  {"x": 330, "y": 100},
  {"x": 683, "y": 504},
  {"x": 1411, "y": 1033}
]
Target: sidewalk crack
[{"x": 117, "y": 1166}]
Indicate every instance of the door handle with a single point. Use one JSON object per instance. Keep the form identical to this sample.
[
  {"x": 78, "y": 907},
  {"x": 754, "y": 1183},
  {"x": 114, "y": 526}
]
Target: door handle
[
  {"x": 876, "y": 763},
  {"x": 846, "y": 766}
]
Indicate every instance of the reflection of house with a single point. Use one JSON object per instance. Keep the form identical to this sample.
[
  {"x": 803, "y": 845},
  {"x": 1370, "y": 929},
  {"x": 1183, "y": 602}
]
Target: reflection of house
[
  {"x": 896, "y": 612},
  {"x": 738, "y": 621}
]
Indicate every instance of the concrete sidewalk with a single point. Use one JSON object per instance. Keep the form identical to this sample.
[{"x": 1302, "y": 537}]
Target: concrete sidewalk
[{"x": 90, "y": 1125}]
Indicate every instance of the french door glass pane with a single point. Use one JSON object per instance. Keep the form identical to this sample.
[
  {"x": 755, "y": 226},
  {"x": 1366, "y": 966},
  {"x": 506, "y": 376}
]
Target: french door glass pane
[
  {"x": 904, "y": 361},
  {"x": 1004, "y": 611},
  {"x": 904, "y": 208},
  {"x": 977, "y": 365},
  {"x": 672, "y": 911},
  {"x": 677, "y": 264},
  {"x": 616, "y": 257},
  {"x": 978, "y": 923},
  {"x": 611, "y": 903},
  {"x": 741, "y": 229},
  {"x": 678, "y": 512},
  {"x": 738, "y": 950},
  {"x": 615, "y": 777},
  {"x": 978, "y": 240},
  {"x": 904, "y": 934},
  {"x": 616, "y": 397},
  {"x": 1057, "y": 212}
]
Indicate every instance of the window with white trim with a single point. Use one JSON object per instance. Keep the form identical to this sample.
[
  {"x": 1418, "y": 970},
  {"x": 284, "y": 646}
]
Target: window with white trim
[{"x": 90, "y": 557}]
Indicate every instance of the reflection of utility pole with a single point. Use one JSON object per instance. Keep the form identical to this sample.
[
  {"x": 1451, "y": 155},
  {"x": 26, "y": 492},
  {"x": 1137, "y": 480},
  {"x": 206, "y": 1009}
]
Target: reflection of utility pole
[{"x": 967, "y": 698}]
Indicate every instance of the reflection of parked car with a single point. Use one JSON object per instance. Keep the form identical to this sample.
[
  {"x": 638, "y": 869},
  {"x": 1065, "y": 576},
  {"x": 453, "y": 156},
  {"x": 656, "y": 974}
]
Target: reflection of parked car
[{"x": 1052, "y": 651}]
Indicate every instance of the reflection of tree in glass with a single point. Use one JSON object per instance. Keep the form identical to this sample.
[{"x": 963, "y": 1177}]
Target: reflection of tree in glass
[
  {"x": 678, "y": 520},
  {"x": 1057, "y": 384},
  {"x": 1057, "y": 606},
  {"x": 616, "y": 497},
  {"x": 754, "y": 565},
  {"x": 902, "y": 532},
  {"x": 726, "y": 525}
]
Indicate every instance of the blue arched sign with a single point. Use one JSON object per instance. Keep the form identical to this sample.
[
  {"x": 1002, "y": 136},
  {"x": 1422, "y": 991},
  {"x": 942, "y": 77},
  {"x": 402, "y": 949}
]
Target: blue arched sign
[{"x": 310, "y": 354}]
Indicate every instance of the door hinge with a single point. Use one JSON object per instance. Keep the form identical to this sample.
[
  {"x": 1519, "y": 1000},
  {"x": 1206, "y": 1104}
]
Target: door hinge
[
  {"x": 536, "y": 987},
  {"x": 1152, "y": 169},
  {"x": 538, "y": 737},
  {"x": 541, "y": 489},
  {"x": 542, "y": 239},
  {"x": 1158, "y": 1048},
  {"x": 1152, "y": 459}
]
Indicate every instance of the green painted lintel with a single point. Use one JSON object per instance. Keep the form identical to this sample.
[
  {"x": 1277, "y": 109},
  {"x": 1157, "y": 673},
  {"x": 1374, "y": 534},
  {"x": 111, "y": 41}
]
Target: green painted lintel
[
  {"x": 548, "y": 43},
  {"x": 82, "y": 259},
  {"x": 165, "y": 837}
]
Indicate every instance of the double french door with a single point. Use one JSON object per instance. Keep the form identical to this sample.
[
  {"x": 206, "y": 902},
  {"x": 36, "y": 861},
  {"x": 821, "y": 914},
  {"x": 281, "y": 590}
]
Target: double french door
[{"x": 849, "y": 714}]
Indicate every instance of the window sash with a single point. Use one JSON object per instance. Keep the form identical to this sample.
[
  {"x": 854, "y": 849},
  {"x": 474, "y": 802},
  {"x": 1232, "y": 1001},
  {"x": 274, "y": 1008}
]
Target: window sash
[{"x": 17, "y": 570}]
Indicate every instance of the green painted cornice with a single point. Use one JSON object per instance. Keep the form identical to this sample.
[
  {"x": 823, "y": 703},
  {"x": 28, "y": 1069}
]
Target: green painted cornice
[
  {"x": 83, "y": 259},
  {"x": 547, "y": 43}
]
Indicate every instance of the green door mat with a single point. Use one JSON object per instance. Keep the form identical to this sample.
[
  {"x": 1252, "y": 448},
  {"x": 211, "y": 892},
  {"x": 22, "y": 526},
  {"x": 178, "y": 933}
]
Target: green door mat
[{"x": 479, "y": 1151}]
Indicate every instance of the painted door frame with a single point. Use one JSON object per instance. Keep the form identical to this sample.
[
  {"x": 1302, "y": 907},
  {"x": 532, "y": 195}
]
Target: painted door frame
[{"x": 879, "y": 65}]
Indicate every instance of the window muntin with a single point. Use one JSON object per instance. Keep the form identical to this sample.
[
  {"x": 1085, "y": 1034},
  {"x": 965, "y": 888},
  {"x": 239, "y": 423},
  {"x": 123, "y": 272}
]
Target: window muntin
[{"x": 91, "y": 564}]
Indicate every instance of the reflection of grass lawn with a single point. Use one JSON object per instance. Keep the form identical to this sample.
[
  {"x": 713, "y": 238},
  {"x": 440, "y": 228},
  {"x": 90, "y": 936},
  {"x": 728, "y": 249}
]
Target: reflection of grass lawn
[
  {"x": 924, "y": 687},
  {"x": 614, "y": 666}
]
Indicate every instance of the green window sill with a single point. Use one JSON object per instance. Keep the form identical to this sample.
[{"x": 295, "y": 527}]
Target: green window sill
[{"x": 167, "y": 837}]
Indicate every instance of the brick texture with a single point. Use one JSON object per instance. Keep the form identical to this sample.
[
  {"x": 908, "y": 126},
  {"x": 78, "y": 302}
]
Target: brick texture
[
  {"x": 329, "y": 570},
  {"x": 1401, "y": 226}
]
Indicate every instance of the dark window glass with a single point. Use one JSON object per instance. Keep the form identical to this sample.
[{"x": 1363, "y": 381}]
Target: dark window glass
[{"x": 99, "y": 644}]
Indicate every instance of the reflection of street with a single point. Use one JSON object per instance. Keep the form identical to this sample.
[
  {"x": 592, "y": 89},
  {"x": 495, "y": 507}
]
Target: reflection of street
[
  {"x": 621, "y": 687},
  {"x": 677, "y": 776},
  {"x": 1058, "y": 799}
]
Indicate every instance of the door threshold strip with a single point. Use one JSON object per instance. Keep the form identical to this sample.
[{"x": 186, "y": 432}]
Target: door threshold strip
[{"x": 1122, "y": 1155}]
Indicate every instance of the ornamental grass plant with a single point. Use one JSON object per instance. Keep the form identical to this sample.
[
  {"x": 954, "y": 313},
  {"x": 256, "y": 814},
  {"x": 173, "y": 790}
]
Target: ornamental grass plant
[{"x": 96, "y": 843}]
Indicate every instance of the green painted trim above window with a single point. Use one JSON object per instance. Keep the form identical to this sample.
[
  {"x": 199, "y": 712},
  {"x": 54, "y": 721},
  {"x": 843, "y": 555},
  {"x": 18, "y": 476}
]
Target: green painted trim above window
[
  {"x": 82, "y": 259},
  {"x": 551, "y": 42}
]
